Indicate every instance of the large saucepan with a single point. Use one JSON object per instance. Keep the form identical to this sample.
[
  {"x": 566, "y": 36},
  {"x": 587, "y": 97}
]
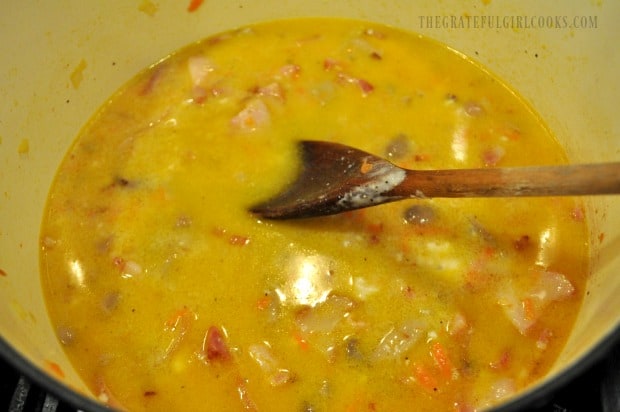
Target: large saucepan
[{"x": 61, "y": 59}]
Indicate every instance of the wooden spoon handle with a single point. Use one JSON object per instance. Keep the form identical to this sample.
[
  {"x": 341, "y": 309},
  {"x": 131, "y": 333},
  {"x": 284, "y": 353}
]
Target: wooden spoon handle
[{"x": 586, "y": 179}]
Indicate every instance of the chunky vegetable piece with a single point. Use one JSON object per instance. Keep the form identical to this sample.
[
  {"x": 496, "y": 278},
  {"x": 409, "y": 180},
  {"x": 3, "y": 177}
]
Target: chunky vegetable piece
[{"x": 168, "y": 295}]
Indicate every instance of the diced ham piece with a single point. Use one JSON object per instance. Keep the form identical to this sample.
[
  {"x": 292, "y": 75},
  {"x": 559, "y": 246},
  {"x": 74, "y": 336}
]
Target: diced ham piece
[
  {"x": 199, "y": 69},
  {"x": 331, "y": 64},
  {"x": 214, "y": 345},
  {"x": 364, "y": 85}
]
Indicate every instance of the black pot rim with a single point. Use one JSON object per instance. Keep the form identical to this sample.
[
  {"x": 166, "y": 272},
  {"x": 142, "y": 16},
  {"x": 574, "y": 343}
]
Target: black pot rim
[{"x": 535, "y": 397}]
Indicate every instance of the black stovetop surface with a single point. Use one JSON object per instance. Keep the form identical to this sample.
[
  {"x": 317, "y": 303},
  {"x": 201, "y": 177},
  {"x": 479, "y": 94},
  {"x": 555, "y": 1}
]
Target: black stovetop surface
[{"x": 595, "y": 390}]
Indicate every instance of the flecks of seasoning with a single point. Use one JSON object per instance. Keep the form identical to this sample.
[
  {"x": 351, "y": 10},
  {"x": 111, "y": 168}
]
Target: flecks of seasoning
[
  {"x": 365, "y": 85},
  {"x": 522, "y": 243},
  {"x": 55, "y": 369},
  {"x": 77, "y": 75},
  {"x": 331, "y": 64},
  {"x": 24, "y": 147},
  {"x": 451, "y": 97},
  {"x": 233, "y": 239},
  {"x": 238, "y": 240},
  {"x": 218, "y": 231},
  {"x": 148, "y": 7},
  {"x": 408, "y": 292},
  {"x": 3, "y": 273},
  {"x": 502, "y": 362},
  {"x": 119, "y": 262},
  {"x": 194, "y": 5},
  {"x": 492, "y": 156},
  {"x": 511, "y": 133},
  {"x": 149, "y": 393},
  {"x": 120, "y": 181},
  {"x": 601, "y": 237},
  {"x": 183, "y": 221},
  {"x": 577, "y": 214}
]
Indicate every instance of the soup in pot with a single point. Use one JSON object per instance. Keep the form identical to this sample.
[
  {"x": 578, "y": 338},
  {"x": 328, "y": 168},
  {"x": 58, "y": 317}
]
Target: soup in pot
[{"x": 167, "y": 294}]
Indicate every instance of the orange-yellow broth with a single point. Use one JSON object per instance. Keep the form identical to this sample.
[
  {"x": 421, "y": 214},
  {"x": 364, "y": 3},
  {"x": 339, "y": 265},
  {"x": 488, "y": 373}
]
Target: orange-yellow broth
[{"x": 167, "y": 294}]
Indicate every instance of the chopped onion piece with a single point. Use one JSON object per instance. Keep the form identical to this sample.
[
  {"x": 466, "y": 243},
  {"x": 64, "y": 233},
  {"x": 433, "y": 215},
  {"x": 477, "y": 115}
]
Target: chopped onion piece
[
  {"x": 363, "y": 288},
  {"x": 399, "y": 339},
  {"x": 132, "y": 268},
  {"x": 271, "y": 90},
  {"x": 514, "y": 310},
  {"x": 524, "y": 308},
  {"x": 502, "y": 389},
  {"x": 552, "y": 286},
  {"x": 324, "y": 317},
  {"x": 264, "y": 357},
  {"x": 457, "y": 325}
]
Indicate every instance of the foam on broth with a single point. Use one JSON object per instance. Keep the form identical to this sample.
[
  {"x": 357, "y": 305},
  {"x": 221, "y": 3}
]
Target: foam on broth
[{"x": 168, "y": 295}]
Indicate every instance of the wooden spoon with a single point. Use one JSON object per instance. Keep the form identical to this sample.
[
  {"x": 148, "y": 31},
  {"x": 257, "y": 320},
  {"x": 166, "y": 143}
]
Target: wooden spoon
[{"x": 335, "y": 178}]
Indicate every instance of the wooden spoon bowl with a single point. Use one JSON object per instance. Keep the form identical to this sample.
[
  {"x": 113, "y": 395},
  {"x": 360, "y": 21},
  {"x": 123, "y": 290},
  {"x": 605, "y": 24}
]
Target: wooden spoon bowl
[{"x": 335, "y": 178}]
